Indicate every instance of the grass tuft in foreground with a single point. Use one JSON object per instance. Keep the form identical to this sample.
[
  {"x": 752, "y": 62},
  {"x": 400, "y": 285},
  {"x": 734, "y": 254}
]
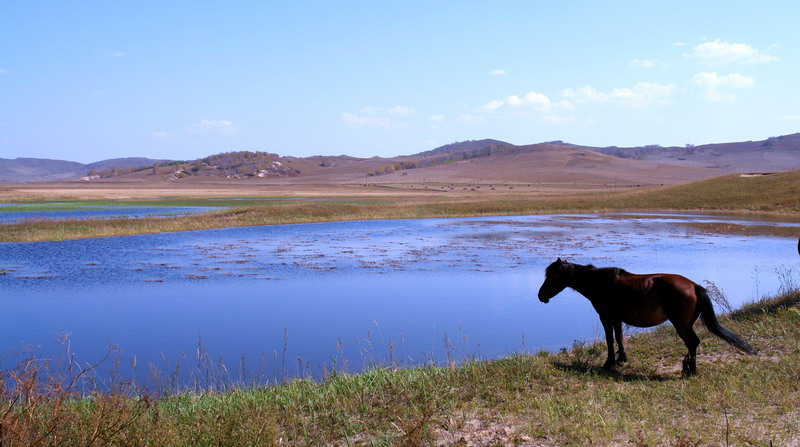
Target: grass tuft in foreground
[{"x": 526, "y": 399}]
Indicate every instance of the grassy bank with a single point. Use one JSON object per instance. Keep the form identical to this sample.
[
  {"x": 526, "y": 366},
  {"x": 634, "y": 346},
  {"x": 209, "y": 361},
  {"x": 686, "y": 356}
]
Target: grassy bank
[
  {"x": 777, "y": 193},
  {"x": 528, "y": 399}
]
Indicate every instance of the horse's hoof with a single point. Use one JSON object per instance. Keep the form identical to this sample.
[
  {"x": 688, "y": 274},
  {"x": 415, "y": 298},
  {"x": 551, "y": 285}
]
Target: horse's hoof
[
  {"x": 689, "y": 368},
  {"x": 609, "y": 365},
  {"x": 622, "y": 359}
]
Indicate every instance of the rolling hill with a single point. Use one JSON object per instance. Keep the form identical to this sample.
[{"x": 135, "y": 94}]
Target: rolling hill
[
  {"x": 42, "y": 169},
  {"x": 37, "y": 169},
  {"x": 773, "y": 154},
  {"x": 479, "y": 161},
  {"x": 547, "y": 164}
]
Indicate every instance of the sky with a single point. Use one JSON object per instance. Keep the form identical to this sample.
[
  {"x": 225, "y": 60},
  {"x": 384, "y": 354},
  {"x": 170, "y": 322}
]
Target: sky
[{"x": 94, "y": 80}]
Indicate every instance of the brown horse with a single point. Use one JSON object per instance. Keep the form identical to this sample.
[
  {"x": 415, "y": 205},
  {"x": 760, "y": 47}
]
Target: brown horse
[{"x": 642, "y": 301}]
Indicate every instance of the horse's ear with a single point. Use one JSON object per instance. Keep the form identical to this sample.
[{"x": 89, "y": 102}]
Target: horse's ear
[{"x": 559, "y": 260}]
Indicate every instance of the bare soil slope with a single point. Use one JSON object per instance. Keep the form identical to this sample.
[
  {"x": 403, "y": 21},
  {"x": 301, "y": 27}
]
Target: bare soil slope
[
  {"x": 774, "y": 154},
  {"x": 550, "y": 164}
]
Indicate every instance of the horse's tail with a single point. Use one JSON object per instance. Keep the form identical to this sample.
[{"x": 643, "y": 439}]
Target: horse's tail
[{"x": 710, "y": 320}]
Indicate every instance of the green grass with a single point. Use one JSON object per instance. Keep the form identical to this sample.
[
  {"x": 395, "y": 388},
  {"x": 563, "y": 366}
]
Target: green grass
[{"x": 545, "y": 399}]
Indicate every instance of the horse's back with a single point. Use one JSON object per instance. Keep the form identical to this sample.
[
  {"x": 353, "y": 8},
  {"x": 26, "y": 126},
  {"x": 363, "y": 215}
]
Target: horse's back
[
  {"x": 653, "y": 298},
  {"x": 658, "y": 280}
]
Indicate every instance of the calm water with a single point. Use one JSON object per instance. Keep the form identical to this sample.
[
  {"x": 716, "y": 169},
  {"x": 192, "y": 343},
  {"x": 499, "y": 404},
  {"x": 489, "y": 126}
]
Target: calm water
[
  {"x": 345, "y": 292},
  {"x": 96, "y": 212}
]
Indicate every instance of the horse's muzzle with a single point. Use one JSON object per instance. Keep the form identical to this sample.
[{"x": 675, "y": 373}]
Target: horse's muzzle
[{"x": 544, "y": 300}]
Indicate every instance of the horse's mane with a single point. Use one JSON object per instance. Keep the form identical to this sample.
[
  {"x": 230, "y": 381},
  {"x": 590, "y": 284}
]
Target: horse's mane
[{"x": 592, "y": 273}]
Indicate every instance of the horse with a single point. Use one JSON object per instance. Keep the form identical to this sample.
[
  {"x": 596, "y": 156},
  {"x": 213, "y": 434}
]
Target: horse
[{"x": 642, "y": 301}]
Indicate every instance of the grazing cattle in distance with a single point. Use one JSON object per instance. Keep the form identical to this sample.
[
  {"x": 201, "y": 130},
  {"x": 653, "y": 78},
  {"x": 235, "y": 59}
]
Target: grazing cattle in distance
[{"x": 642, "y": 301}]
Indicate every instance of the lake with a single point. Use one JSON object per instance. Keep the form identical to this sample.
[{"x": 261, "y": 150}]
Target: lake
[{"x": 294, "y": 299}]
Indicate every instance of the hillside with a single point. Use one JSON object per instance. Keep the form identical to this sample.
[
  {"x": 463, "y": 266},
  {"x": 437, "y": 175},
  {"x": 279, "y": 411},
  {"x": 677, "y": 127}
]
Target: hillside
[
  {"x": 122, "y": 163},
  {"x": 473, "y": 147},
  {"x": 547, "y": 164},
  {"x": 42, "y": 169},
  {"x": 35, "y": 169},
  {"x": 770, "y": 155},
  {"x": 480, "y": 161}
]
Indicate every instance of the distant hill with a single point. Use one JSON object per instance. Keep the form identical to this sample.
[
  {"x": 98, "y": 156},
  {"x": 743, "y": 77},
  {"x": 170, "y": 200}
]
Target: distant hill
[
  {"x": 773, "y": 154},
  {"x": 472, "y": 160},
  {"x": 780, "y": 153},
  {"x": 122, "y": 163},
  {"x": 31, "y": 169},
  {"x": 547, "y": 164},
  {"x": 41, "y": 169},
  {"x": 472, "y": 146},
  {"x": 240, "y": 164}
]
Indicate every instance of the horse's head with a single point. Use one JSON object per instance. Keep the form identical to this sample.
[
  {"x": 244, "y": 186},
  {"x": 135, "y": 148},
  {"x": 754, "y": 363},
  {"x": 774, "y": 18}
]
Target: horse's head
[{"x": 555, "y": 280}]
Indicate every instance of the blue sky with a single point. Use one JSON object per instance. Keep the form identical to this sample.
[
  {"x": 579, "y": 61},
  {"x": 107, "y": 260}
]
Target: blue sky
[{"x": 87, "y": 81}]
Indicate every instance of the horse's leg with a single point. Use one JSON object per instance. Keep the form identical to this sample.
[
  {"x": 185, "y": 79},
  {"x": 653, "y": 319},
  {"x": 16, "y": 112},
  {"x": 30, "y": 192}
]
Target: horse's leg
[
  {"x": 686, "y": 332},
  {"x": 608, "y": 327},
  {"x": 621, "y": 357}
]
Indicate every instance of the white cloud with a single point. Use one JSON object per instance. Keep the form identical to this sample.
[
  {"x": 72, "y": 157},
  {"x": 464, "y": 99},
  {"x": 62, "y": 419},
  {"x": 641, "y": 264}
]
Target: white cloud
[
  {"x": 531, "y": 101},
  {"x": 436, "y": 118},
  {"x": 358, "y": 121},
  {"x": 792, "y": 117},
  {"x": 644, "y": 63},
  {"x": 4, "y": 71},
  {"x": 498, "y": 72},
  {"x": 376, "y": 117},
  {"x": 720, "y": 52},
  {"x": 118, "y": 54},
  {"x": 714, "y": 84},
  {"x": 399, "y": 111},
  {"x": 159, "y": 134},
  {"x": 730, "y": 80},
  {"x": 205, "y": 126},
  {"x": 371, "y": 110},
  {"x": 678, "y": 44},
  {"x": 642, "y": 94}
]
